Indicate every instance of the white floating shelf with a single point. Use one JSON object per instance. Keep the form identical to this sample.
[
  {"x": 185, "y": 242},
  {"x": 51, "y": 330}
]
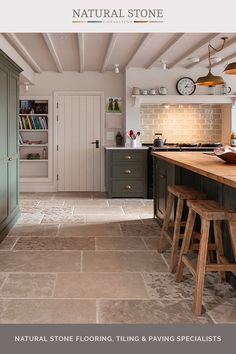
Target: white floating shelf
[
  {"x": 33, "y": 115},
  {"x": 33, "y": 130},
  {"x": 179, "y": 99}
]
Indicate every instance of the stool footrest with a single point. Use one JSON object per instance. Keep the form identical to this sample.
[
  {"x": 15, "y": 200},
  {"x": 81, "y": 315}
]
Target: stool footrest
[{"x": 221, "y": 267}]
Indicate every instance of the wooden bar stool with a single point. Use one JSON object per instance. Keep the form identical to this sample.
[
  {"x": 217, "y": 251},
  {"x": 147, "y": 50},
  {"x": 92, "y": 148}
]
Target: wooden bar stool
[
  {"x": 182, "y": 193},
  {"x": 209, "y": 211}
]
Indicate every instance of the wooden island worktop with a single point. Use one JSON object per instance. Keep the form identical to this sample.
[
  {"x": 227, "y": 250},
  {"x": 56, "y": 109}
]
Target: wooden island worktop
[{"x": 203, "y": 164}]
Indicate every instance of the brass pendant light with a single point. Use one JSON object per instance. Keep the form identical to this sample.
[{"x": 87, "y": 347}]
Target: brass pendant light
[
  {"x": 230, "y": 69},
  {"x": 210, "y": 79}
]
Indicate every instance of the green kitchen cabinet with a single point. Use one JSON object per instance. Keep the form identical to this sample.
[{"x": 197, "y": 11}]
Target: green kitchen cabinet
[
  {"x": 126, "y": 173},
  {"x": 9, "y": 200}
]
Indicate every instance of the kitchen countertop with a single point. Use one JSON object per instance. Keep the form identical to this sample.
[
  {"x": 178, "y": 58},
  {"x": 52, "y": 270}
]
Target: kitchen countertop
[
  {"x": 125, "y": 148},
  {"x": 204, "y": 164}
]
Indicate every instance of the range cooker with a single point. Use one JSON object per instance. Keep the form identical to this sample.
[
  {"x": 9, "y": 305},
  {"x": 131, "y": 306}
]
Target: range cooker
[{"x": 173, "y": 147}]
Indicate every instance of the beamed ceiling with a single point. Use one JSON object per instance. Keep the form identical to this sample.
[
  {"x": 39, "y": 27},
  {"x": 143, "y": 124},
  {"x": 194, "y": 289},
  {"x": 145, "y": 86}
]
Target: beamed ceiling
[{"x": 59, "y": 52}]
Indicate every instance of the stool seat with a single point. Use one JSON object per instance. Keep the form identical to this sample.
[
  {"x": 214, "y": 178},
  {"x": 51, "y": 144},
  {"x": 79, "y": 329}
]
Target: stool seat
[
  {"x": 185, "y": 192},
  {"x": 211, "y": 210},
  {"x": 182, "y": 193}
]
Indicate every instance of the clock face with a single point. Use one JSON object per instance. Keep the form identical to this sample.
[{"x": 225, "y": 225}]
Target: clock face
[{"x": 185, "y": 86}]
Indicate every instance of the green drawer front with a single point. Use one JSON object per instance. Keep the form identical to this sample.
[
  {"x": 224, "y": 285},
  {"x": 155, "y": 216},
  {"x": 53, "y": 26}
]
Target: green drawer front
[
  {"x": 128, "y": 156},
  {"x": 127, "y": 187},
  {"x": 128, "y": 171}
]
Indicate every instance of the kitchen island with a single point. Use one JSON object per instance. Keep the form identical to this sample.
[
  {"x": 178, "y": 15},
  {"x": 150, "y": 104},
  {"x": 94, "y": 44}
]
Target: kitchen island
[{"x": 203, "y": 171}]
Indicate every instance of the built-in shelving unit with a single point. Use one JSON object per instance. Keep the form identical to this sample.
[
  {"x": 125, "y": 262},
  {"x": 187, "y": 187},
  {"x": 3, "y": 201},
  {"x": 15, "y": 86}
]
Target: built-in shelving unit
[
  {"x": 179, "y": 99},
  {"x": 35, "y": 142}
]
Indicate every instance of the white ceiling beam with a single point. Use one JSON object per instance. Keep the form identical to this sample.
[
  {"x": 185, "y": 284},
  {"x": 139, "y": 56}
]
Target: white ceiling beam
[
  {"x": 146, "y": 38},
  {"x": 204, "y": 57},
  {"x": 12, "y": 38},
  {"x": 109, "y": 51},
  {"x": 81, "y": 51},
  {"x": 191, "y": 50},
  {"x": 226, "y": 59},
  {"x": 168, "y": 45},
  {"x": 48, "y": 40}
]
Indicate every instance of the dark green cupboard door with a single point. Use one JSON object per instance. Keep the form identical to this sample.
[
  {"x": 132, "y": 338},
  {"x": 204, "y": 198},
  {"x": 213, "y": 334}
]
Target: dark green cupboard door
[
  {"x": 12, "y": 144},
  {"x": 3, "y": 142}
]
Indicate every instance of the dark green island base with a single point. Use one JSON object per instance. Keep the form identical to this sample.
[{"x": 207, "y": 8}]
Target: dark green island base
[{"x": 203, "y": 172}]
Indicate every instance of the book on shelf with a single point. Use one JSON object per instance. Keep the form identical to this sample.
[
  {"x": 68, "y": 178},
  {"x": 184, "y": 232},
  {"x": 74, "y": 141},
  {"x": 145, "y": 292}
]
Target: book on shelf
[
  {"x": 21, "y": 140},
  {"x": 33, "y": 122}
]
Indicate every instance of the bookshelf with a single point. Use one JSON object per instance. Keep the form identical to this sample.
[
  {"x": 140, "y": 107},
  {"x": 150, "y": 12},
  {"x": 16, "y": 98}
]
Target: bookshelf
[{"x": 35, "y": 142}]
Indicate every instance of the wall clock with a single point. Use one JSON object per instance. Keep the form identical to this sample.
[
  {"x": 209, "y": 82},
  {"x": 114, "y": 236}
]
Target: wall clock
[{"x": 185, "y": 86}]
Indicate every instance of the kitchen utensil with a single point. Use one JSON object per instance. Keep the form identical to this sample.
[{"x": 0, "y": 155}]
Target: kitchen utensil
[
  {"x": 163, "y": 90},
  {"x": 153, "y": 92},
  {"x": 225, "y": 89},
  {"x": 136, "y": 91},
  {"x": 158, "y": 141},
  {"x": 144, "y": 92}
]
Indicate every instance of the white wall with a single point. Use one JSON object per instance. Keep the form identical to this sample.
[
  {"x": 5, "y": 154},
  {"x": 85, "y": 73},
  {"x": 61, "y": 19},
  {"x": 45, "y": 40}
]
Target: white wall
[{"x": 157, "y": 77}]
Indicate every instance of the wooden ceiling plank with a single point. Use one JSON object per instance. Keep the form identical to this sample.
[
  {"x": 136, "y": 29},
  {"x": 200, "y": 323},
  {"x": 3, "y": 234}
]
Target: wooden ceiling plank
[
  {"x": 111, "y": 45},
  {"x": 204, "y": 57},
  {"x": 146, "y": 38},
  {"x": 168, "y": 45},
  {"x": 229, "y": 57},
  {"x": 191, "y": 50},
  {"x": 81, "y": 51},
  {"x": 52, "y": 50},
  {"x": 12, "y": 38}
]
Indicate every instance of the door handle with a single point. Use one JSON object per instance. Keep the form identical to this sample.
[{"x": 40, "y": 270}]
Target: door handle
[
  {"x": 96, "y": 142},
  {"x": 10, "y": 158}
]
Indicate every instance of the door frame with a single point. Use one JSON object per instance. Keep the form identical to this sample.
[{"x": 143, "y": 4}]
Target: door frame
[{"x": 102, "y": 131}]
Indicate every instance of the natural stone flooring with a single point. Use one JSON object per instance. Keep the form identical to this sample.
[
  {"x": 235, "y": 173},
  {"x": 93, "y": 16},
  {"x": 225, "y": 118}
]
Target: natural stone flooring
[{"x": 81, "y": 258}]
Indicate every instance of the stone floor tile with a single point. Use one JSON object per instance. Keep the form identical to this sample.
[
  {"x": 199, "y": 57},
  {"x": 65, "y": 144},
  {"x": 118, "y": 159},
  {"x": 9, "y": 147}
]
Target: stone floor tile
[
  {"x": 28, "y": 203},
  {"x": 29, "y": 218},
  {"x": 224, "y": 312},
  {"x": 102, "y": 219},
  {"x": 108, "y": 229},
  {"x": 8, "y": 243},
  {"x": 28, "y": 285},
  {"x": 103, "y": 285},
  {"x": 123, "y": 261},
  {"x": 86, "y": 202},
  {"x": 141, "y": 210},
  {"x": 62, "y": 218},
  {"x": 148, "y": 312},
  {"x": 47, "y": 311},
  {"x": 151, "y": 242},
  {"x": 99, "y": 210},
  {"x": 144, "y": 230},
  {"x": 55, "y": 243},
  {"x": 149, "y": 220},
  {"x": 51, "y": 203},
  {"x": 120, "y": 243},
  {"x": 126, "y": 202},
  {"x": 72, "y": 195},
  {"x": 34, "y": 230},
  {"x": 36, "y": 196},
  {"x": 40, "y": 261},
  {"x": 2, "y": 279}
]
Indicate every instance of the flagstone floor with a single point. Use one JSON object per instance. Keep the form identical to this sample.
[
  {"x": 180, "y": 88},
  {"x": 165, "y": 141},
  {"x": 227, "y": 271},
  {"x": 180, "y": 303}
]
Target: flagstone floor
[{"x": 82, "y": 258}]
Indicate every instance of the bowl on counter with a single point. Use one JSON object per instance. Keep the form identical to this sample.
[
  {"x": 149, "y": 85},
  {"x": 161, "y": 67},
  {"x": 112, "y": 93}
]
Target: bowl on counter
[{"x": 226, "y": 153}]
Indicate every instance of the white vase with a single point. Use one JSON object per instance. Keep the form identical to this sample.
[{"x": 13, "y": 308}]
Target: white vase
[{"x": 133, "y": 143}]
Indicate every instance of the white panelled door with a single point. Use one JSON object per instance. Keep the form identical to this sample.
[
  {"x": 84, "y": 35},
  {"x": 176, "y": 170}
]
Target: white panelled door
[{"x": 79, "y": 136}]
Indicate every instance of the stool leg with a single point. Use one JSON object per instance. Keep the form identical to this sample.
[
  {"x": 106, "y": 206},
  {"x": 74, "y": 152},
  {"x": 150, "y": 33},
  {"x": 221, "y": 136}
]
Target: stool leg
[
  {"x": 201, "y": 266},
  {"x": 166, "y": 221},
  {"x": 232, "y": 234},
  {"x": 219, "y": 246},
  {"x": 186, "y": 243},
  {"x": 175, "y": 242}
]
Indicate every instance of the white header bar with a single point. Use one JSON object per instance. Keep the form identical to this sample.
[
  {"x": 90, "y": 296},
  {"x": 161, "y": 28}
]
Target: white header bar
[{"x": 118, "y": 16}]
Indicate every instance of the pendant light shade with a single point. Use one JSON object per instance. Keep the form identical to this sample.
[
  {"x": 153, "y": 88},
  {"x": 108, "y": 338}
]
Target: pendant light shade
[
  {"x": 210, "y": 80},
  {"x": 230, "y": 69}
]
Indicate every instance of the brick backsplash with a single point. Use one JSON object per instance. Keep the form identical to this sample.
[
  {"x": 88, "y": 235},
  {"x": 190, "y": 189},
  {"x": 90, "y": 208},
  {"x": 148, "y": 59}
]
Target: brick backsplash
[{"x": 182, "y": 123}]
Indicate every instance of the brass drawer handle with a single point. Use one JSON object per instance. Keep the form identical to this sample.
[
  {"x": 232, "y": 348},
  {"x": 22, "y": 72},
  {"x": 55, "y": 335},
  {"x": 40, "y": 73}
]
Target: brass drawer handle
[
  {"x": 127, "y": 172},
  {"x": 162, "y": 176},
  {"x": 10, "y": 158},
  {"x": 127, "y": 157},
  {"x": 128, "y": 187}
]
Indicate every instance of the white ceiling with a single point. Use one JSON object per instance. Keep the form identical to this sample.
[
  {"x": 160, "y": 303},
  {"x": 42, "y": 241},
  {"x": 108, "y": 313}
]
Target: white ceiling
[{"x": 60, "y": 52}]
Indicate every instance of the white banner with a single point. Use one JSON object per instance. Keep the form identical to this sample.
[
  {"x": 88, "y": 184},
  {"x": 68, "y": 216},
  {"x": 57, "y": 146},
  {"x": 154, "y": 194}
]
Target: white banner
[{"x": 118, "y": 16}]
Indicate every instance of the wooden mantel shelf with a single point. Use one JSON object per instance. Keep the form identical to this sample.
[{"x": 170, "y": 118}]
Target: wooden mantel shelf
[{"x": 179, "y": 99}]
